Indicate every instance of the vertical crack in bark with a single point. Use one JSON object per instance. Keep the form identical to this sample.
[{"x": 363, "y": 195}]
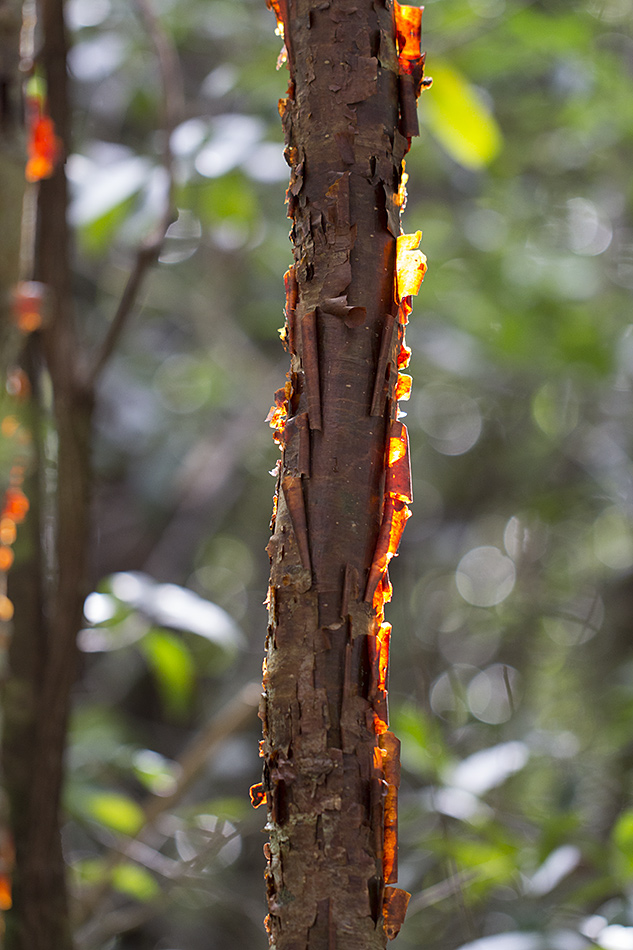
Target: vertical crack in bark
[{"x": 331, "y": 765}]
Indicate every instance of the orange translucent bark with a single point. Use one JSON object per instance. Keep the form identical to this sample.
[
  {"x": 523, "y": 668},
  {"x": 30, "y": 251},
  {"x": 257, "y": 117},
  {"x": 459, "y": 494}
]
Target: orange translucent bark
[
  {"x": 398, "y": 476},
  {"x": 279, "y": 7},
  {"x": 394, "y": 518},
  {"x": 391, "y": 773},
  {"x": 274, "y": 6},
  {"x": 401, "y": 195},
  {"x": 380, "y": 727},
  {"x": 394, "y": 908},
  {"x": 383, "y": 637},
  {"x": 278, "y": 413},
  {"x": 397, "y": 443},
  {"x": 410, "y": 265},
  {"x": 403, "y": 386},
  {"x": 404, "y": 311},
  {"x": 257, "y": 794},
  {"x": 404, "y": 356},
  {"x": 408, "y": 34}
]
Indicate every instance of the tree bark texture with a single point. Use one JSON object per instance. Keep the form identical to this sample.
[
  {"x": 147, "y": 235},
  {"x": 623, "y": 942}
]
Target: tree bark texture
[{"x": 331, "y": 766}]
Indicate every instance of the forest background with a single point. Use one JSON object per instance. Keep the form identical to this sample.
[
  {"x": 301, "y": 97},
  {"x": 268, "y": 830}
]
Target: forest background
[{"x": 512, "y": 657}]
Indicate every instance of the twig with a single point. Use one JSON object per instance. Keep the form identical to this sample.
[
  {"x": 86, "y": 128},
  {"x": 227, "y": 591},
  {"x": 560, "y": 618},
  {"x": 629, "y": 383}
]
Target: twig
[
  {"x": 148, "y": 251},
  {"x": 227, "y": 720},
  {"x": 440, "y": 891}
]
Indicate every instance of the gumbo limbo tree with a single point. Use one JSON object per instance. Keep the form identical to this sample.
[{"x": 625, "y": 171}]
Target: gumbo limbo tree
[{"x": 331, "y": 765}]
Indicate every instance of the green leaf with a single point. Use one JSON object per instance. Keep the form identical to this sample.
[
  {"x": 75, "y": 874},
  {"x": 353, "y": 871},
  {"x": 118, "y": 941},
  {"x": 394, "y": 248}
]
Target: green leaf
[
  {"x": 460, "y": 119},
  {"x": 231, "y": 197},
  {"x": 154, "y": 771},
  {"x": 88, "y": 871},
  {"x": 127, "y": 878},
  {"x": 423, "y": 751},
  {"x": 622, "y": 838},
  {"x": 135, "y": 881},
  {"x": 172, "y": 665},
  {"x": 113, "y": 810},
  {"x": 96, "y": 235}
]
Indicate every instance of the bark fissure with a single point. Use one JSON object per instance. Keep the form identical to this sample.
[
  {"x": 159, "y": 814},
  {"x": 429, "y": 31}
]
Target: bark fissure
[{"x": 331, "y": 769}]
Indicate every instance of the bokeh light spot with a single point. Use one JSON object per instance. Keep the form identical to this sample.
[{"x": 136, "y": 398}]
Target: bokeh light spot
[
  {"x": 6, "y": 608},
  {"x": 451, "y": 419},
  {"x": 485, "y": 576},
  {"x": 493, "y": 694},
  {"x": 613, "y": 539},
  {"x": 555, "y": 409}
]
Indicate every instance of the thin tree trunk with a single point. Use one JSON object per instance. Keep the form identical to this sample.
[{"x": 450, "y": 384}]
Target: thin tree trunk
[
  {"x": 12, "y": 160},
  {"x": 48, "y": 597},
  {"x": 330, "y": 763}
]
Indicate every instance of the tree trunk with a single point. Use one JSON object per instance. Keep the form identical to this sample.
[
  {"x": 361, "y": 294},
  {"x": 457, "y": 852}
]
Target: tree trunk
[
  {"x": 330, "y": 763},
  {"x": 12, "y": 161},
  {"x": 47, "y": 584}
]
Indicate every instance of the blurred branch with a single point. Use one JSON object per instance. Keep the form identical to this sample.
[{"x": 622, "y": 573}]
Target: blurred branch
[
  {"x": 228, "y": 720},
  {"x": 233, "y": 716},
  {"x": 117, "y": 921},
  {"x": 149, "y": 249},
  {"x": 440, "y": 892}
]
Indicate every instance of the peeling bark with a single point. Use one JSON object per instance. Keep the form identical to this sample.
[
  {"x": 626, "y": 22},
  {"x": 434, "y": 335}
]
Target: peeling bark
[{"x": 331, "y": 768}]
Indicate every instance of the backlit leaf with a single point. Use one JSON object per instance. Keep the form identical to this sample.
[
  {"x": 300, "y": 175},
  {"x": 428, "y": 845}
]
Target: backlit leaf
[
  {"x": 460, "y": 119},
  {"x": 114, "y": 810},
  {"x": 172, "y": 666},
  {"x": 135, "y": 881}
]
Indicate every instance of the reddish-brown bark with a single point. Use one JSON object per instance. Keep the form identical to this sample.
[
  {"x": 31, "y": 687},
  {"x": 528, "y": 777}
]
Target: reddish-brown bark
[{"x": 331, "y": 767}]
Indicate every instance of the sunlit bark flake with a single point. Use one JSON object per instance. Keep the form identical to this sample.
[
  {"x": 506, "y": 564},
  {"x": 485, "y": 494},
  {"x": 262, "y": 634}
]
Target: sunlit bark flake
[
  {"x": 403, "y": 387},
  {"x": 398, "y": 476},
  {"x": 394, "y": 518},
  {"x": 257, "y": 794},
  {"x": 394, "y": 909},
  {"x": 408, "y": 33},
  {"x": 279, "y": 8},
  {"x": 383, "y": 637},
  {"x": 410, "y": 265},
  {"x": 401, "y": 194},
  {"x": 404, "y": 356},
  {"x": 390, "y": 746},
  {"x": 278, "y": 412}
]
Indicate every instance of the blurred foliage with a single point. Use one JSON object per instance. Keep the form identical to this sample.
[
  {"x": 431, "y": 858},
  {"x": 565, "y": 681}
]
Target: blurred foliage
[{"x": 512, "y": 658}]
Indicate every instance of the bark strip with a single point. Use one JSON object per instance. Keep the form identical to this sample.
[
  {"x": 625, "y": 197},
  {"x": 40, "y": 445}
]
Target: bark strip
[{"x": 331, "y": 768}]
